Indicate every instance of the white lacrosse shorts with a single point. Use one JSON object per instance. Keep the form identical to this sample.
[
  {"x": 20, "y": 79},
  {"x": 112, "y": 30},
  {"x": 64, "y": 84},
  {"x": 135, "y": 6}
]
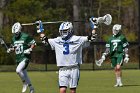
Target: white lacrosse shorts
[{"x": 69, "y": 77}]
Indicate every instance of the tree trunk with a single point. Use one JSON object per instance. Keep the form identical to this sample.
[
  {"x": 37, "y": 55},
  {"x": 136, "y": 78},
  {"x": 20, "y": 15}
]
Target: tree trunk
[
  {"x": 2, "y": 4},
  {"x": 76, "y": 15}
]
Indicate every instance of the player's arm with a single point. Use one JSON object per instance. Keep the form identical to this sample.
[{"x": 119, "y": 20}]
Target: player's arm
[
  {"x": 94, "y": 26},
  {"x": 126, "y": 55},
  {"x": 40, "y": 30},
  {"x": 31, "y": 43},
  {"x": 100, "y": 61},
  {"x": 11, "y": 48}
]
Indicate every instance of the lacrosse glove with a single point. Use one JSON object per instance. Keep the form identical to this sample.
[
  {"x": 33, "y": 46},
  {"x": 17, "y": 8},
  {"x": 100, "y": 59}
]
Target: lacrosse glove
[
  {"x": 9, "y": 50},
  {"x": 39, "y": 26},
  {"x": 126, "y": 59},
  {"x": 28, "y": 51}
]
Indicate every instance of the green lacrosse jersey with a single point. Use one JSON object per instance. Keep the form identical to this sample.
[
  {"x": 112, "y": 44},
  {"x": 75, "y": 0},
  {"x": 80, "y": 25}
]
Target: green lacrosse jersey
[
  {"x": 23, "y": 42},
  {"x": 116, "y": 44}
]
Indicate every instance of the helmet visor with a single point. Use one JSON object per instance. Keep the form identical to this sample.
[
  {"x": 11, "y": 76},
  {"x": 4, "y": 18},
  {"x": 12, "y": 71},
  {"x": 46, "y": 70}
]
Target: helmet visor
[{"x": 115, "y": 32}]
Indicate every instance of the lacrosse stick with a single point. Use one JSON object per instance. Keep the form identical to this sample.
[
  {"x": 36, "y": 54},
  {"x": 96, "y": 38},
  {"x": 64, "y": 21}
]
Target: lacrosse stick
[
  {"x": 106, "y": 19},
  {"x": 2, "y": 42},
  {"x": 55, "y": 22},
  {"x": 99, "y": 62}
]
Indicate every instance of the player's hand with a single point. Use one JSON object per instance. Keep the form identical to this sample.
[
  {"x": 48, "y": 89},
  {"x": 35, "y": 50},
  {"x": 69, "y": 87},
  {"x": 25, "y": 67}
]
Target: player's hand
[
  {"x": 103, "y": 57},
  {"x": 39, "y": 26},
  {"x": 126, "y": 59},
  {"x": 28, "y": 51},
  {"x": 9, "y": 50},
  {"x": 94, "y": 35}
]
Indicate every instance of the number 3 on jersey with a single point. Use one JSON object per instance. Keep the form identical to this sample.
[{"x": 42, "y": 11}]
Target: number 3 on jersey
[{"x": 66, "y": 48}]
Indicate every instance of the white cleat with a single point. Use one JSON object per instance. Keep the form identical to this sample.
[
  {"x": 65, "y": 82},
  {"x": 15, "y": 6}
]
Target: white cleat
[
  {"x": 32, "y": 91},
  {"x": 118, "y": 85},
  {"x": 24, "y": 87}
]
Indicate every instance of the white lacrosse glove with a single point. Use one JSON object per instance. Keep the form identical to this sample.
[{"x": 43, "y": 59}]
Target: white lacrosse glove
[
  {"x": 39, "y": 26},
  {"x": 126, "y": 59},
  {"x": 9, "y": 50},
  {"x": 100, "y": 61},
  {"x": 28, "y": 51}
]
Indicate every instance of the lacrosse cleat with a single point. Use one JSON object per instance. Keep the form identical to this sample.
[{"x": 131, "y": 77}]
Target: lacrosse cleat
[
  {"x": 32, "y": 90},
  {"x": 118, "y": 85},
  {"x": 24, "y": 87}
]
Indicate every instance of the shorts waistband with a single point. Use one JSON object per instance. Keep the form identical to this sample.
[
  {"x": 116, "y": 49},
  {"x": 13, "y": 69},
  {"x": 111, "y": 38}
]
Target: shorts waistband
[{"x": 69, "y": 67}]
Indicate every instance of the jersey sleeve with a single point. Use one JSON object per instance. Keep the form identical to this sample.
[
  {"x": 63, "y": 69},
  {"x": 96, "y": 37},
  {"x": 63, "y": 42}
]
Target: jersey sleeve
[
  {"x": 84, "y": 41},
  {"x": 107, "y": 44},
  {"x": 30, "y": 40},
  {"x": 125, "y": 42},
  {"x": 52, "y": 43}
]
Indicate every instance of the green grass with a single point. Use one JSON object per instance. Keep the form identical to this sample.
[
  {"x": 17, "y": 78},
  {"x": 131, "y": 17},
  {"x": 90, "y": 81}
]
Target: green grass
[
  {"x": 53, "y": 67},
  {"x": 101, "y": 81}
]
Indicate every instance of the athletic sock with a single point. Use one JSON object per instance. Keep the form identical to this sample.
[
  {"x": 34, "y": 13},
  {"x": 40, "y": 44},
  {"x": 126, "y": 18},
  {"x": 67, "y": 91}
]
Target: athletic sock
[{"x": 119, "y": 80}]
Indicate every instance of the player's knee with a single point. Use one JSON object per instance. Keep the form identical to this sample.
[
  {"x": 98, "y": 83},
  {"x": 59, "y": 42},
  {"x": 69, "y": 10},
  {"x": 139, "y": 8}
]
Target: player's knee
[
  {"x": 63, "y": 89},
  {"x": 72, "y": 90},
  {"x": 118, "y": 68},
  {"x": 18, "y": 71}
]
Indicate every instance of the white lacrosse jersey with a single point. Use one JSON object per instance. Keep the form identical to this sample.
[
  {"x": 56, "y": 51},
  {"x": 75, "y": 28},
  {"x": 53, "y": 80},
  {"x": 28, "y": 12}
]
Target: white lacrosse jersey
[{"x": 69, "y": 52}]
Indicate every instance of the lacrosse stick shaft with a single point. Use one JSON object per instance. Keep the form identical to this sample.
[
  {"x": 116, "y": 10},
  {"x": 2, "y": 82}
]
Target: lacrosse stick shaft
[
  {"x": 55, "y": 22},
  {"x": 3, "y": 43}
]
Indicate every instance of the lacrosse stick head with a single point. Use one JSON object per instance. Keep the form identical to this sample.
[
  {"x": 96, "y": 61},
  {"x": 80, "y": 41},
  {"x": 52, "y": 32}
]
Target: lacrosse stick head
[
  {"x": 99, "y": 62},
  {"x": 106, "y": 19},
  {"x": 1, "y": 40}
]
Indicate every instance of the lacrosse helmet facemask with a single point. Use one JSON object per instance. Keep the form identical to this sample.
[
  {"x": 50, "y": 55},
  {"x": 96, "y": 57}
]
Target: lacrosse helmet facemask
[
  {"x": 116, "y": 29},
  {"x": 66, "y": 30},
  {"x": 16, "y": 29}
]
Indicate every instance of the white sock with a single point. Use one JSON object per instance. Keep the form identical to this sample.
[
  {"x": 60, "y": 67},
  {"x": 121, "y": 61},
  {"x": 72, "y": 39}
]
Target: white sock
[{"x": 119, "y": 80}]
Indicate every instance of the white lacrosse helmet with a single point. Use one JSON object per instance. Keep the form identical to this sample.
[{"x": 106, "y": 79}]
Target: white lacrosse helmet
[
  {"x": 66, "y": 29},
  {"x": 116, "y": 29},
  {"x": 16, "y": 28}
]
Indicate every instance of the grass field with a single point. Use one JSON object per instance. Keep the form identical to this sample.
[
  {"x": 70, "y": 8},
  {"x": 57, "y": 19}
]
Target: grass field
[{"x": 100, "y": 81}]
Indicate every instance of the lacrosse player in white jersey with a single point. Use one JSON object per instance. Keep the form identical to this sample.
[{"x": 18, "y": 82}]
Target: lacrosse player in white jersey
[{"x": 68, "y": 50}]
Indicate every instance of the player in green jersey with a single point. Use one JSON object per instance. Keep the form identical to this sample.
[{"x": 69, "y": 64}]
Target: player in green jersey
[
  {"x": 117, "y": 47},
  {"x": 22, "y": 45}
]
